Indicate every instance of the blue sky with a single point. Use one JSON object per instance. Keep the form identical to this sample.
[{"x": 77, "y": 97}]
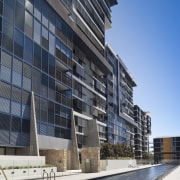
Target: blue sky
[{"x": 146, "y": 35}]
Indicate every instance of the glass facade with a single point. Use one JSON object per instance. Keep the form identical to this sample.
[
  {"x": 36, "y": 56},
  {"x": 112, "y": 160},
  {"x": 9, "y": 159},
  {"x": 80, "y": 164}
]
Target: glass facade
[{"x": 34, "y": 56}]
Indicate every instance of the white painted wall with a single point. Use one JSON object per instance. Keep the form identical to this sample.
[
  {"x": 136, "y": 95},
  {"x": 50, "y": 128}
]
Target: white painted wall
[{"x": 117, "y": 164}]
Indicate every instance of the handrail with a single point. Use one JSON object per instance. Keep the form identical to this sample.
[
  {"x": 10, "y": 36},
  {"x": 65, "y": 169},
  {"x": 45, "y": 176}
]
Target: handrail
[
  {"x": 45, "y": 174},
  {"x": 52, "y": 174}
]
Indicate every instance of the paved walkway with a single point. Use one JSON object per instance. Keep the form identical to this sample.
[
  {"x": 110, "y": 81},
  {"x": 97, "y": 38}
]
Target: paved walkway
[
  {"x": 85, "y": 176},
  {"x": 174, "y": 175}
]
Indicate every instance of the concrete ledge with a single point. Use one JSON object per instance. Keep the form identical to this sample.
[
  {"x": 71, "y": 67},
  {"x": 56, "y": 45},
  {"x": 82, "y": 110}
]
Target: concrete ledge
[
  {"x": 117, "y": 164},
  {"x": 13, "y": 161},
  {"x": 27, "y": 173}
]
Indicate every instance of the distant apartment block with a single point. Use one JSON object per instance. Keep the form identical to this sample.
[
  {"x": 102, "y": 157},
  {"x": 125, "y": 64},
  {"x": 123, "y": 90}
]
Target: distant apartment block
[
  {"x": 166, "y": 148},
  {"x": 120, "y": 117},
  {"x": 141, "y": 132}
]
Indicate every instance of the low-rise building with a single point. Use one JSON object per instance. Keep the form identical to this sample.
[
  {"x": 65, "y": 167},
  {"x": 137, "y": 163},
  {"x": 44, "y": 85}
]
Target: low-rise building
[{"x": 166, "y": 148}]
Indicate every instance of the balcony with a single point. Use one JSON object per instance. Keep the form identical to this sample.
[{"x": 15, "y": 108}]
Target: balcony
[
  {"x": 62, "y": 58},
  {"x": 101, "y": 107},
  {"x": 91, "y": 24},
  {"x": 62, "y": 77},
  {"x": 93, "y": 13}
]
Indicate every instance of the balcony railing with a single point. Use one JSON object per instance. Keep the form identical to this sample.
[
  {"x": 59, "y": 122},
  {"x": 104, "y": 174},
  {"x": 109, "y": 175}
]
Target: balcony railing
[{"x": 64, "y": 78}]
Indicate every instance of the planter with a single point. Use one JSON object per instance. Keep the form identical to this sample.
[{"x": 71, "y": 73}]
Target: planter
[{"x": 28, "y": 172}]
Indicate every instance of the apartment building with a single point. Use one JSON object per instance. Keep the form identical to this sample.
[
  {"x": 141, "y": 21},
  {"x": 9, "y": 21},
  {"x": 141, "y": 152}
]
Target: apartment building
[
  {"x": 142, "y": 132},
  {"x": 120, "y": 117},
  {"x": 53, "y": 75},
  {"x": 166, "y": 148}
]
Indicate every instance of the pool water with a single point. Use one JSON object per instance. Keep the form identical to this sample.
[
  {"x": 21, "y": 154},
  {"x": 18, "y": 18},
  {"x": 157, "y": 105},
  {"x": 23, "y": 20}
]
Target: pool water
[{"x": 144, "y": 174}]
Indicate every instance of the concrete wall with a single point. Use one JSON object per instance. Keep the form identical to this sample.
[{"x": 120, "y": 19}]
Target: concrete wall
[
  {"x": 116, "y": 164},
  {"x": 6, "y": 161},
  {"x": 90, "y": 159},
  {"x": 47, "y": 142}
]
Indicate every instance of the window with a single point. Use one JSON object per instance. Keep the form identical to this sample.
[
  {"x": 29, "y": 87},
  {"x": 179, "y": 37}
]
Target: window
[
  {"x": 37, "y": 32},
  {"x": 9, "y": 12},
  {"x": 16, "y": 124},
  {"x": 18, "y": 43},
  {"x": 45, "y": 61},
  {"x": 4, "y": 122},
  {"x": 51, "y": 27},
  {"x": 37, "y": 56},
  {"x": 51, "y": 65},
  {"x": 37, "y": 105},
  {"x": 28, "y": 24},
  {"x": 19, "y": 16},
  {"x": 51, "y": 112},
  {"x": 28, "y": 50},
  {"x": 37, "y": 14},
  {"x": 29, "y": 6},
  {"x": 15, "y": 108},
  {"x": 36, "y": 79},
  {"x": 69, "y": 34},
  {"x": 25, "y": 126},
  {"x": 17, "y": 72},
  {"x": 1, "y": 8},
  {"x": 27, "y": 77},
  {"x": 44, "y": 85},
  {"x": 45, "y": 21},
  {"x": 51, "y": 88},
  {"x": 44, "y": 110},
  {"x": 51, "y": 43},
  {"x": 45, "y": 38},
  {"x": 7, "y": 37},
  {"x": 51, "y": 130}
]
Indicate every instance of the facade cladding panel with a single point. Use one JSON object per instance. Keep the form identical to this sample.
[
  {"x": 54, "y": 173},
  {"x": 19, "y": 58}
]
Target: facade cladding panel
[{"x": 34, "y": 58}]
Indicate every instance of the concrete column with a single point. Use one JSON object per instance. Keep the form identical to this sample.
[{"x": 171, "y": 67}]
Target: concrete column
[
  {"x": 74, "y": 154},
  {"x": 93, "y": 135},
  {"x": 34, "y": 146}
]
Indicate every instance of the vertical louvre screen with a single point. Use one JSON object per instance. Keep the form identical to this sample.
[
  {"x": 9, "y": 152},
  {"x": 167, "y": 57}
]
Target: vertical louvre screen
[
  {"x": 5, "y": 90},
  {"x": 5, "y": 73},
  {"x": 16, "y": 108},
  {"x": 16, "y": 94},
  {"x": 43, "y": 129},
  {"x": 4, "y": 105},
  {"x": 6, "y": 59}
]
